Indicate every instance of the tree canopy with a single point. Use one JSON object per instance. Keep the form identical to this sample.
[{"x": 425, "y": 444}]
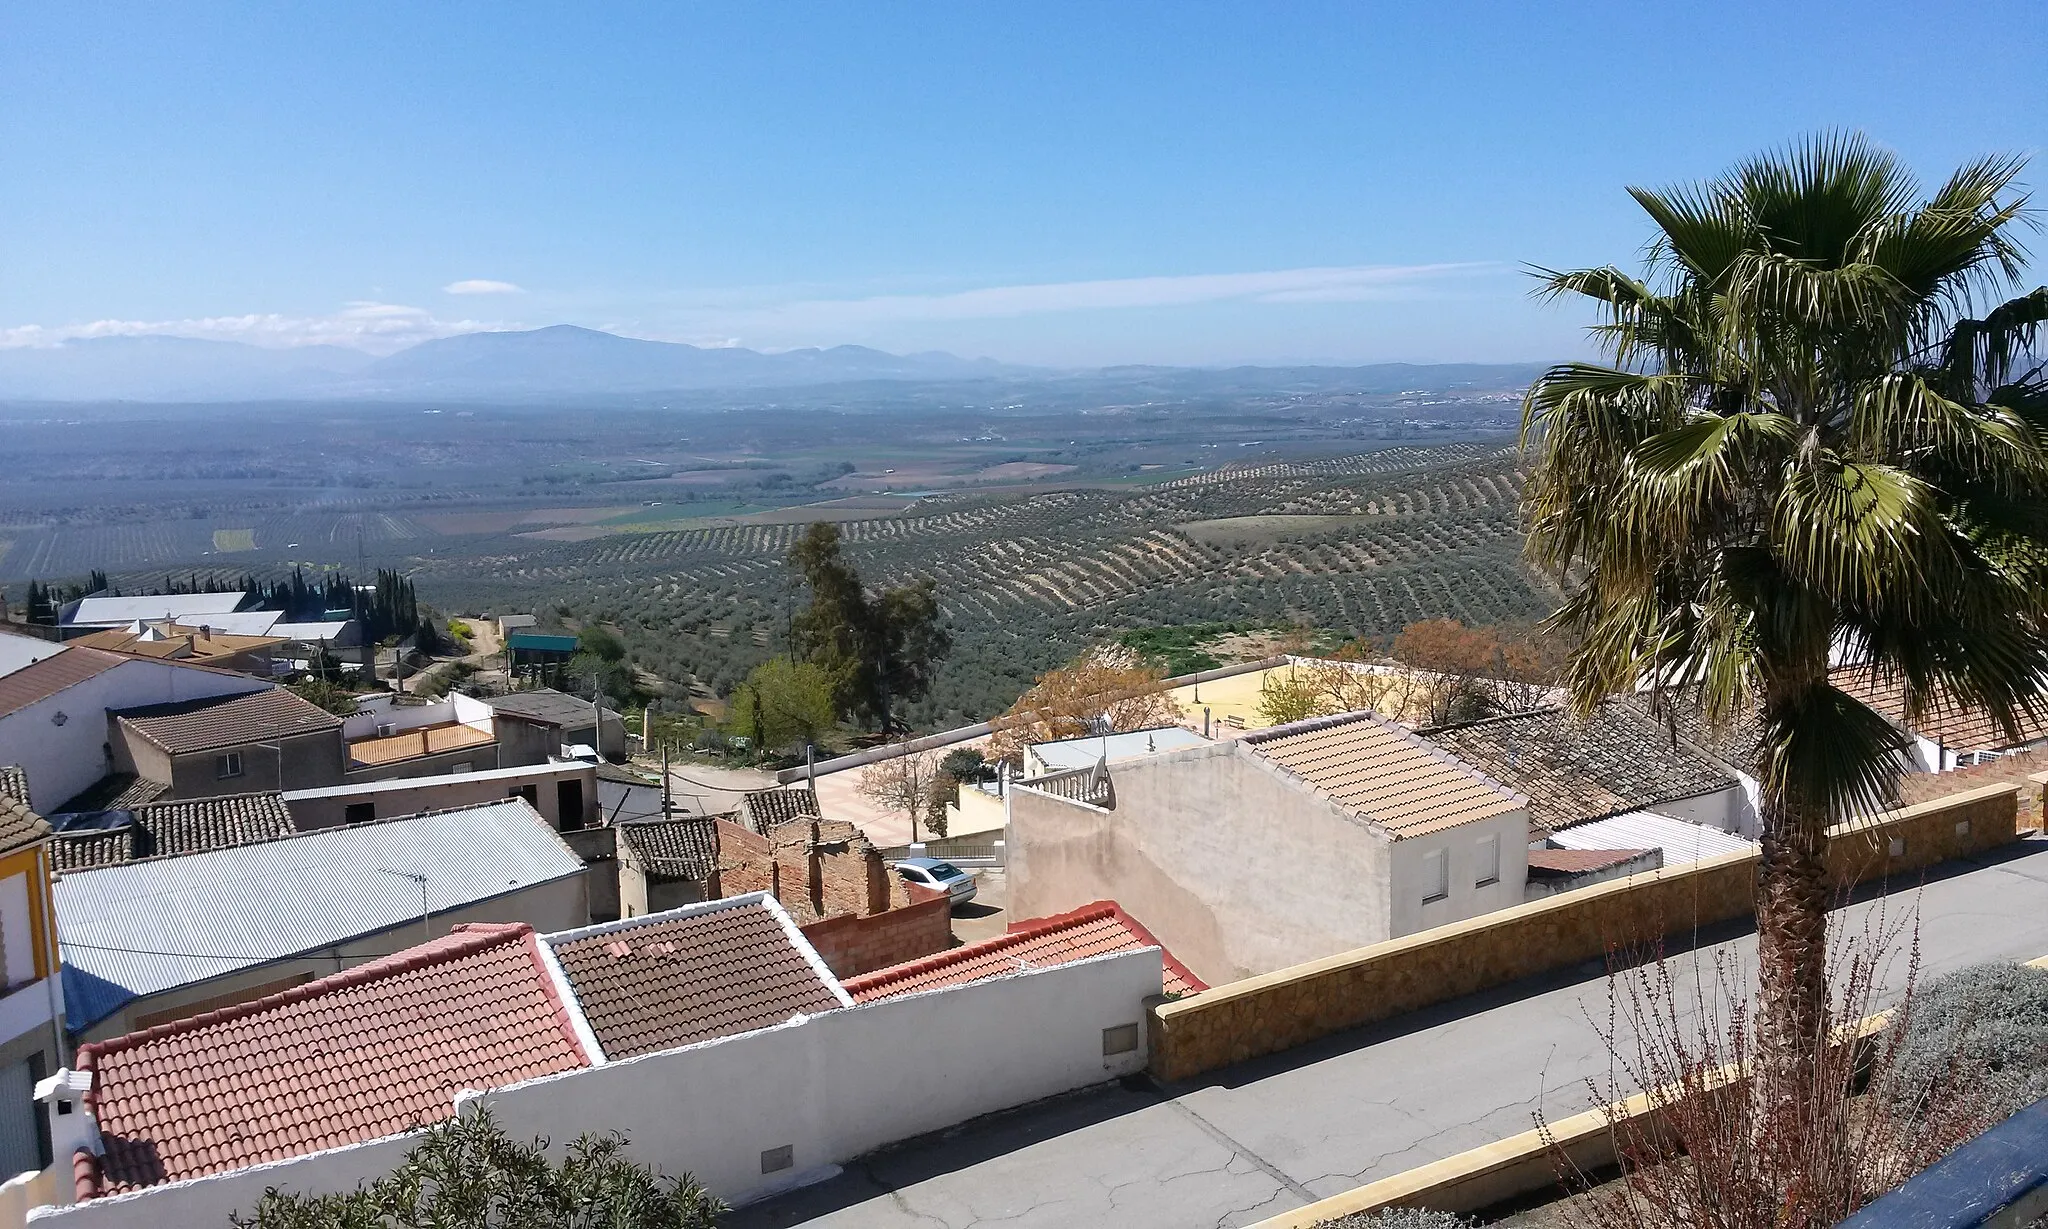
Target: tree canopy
[
  {"x": 880, "y": 649},
  {"x": 467, "y": 1173},
  {"x": 782, "y": 704}
]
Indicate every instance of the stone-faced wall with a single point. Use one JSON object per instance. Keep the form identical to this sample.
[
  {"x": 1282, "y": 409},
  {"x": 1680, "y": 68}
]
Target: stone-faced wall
[{"x": 1283, "y": 1009}]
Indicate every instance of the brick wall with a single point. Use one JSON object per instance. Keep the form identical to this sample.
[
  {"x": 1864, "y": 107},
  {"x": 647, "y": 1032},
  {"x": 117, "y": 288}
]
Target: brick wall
[
  {"x": 854, "y": 945},
  {"x": 1290, "y": 1007},
  {"x": 827, "y": 870}
]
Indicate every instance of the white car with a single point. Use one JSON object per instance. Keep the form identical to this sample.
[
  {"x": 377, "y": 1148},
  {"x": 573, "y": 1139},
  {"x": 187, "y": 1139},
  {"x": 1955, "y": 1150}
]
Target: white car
[{"x": 940, "y": 875}]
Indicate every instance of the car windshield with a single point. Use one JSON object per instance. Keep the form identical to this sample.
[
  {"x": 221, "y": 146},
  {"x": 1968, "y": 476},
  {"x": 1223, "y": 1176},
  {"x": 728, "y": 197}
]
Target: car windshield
[{"x": 946, "y": 870}]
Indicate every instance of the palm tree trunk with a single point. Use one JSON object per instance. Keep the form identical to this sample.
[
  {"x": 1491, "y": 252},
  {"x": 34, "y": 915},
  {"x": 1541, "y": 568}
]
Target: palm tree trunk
[{"x": 1792, "y": 1008}]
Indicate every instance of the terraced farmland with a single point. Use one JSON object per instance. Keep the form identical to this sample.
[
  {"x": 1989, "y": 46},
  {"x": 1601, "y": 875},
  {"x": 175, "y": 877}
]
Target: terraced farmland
[{"x": 1362, "y": 544}]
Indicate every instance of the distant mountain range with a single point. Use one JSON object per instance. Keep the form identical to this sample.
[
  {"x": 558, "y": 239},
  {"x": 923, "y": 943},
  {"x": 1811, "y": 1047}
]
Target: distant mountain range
[{"x": 563, "y": 360}]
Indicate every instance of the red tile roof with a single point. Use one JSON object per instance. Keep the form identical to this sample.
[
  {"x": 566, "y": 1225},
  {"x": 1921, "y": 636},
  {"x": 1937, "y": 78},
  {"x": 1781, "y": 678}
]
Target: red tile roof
[
  {"x": 226, "y": 721},
  {"x": 692, "y": 974},
  {"x": 1092, "y": 930},
  {"x": 365, "y": 1053},
  {"x": 43, "y": 679},
  {"x": 1579, "y": 861}
]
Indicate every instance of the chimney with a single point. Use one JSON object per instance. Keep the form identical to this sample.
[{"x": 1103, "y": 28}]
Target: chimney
[{"x": 72, "y": 1127}]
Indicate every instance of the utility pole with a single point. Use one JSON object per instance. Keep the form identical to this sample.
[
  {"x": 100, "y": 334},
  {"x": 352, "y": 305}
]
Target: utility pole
[{"x": 665, "y": 803}]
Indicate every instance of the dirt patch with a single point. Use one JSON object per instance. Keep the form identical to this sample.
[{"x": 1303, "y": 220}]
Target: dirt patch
[
  {"x": 571, "y": 533},
  {"x": 230, "y": 540},
  {"x": 1025, "y": 469},
  {"x": 1242, "y": 530},
  {"x": 500, "y": 520}
]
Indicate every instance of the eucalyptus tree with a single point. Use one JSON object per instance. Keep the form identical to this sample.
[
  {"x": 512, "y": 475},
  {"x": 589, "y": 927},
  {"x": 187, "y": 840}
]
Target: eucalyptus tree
[{"x": 1822, "y": 436}]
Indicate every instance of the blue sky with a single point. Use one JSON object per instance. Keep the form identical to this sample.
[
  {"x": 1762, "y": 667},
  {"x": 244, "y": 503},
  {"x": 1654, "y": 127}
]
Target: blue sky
[{"x": 1070, "y": 184}]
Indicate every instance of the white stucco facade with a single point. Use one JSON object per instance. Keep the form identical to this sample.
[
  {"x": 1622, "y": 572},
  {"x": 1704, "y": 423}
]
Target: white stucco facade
[{"x": 62, "y": 738}]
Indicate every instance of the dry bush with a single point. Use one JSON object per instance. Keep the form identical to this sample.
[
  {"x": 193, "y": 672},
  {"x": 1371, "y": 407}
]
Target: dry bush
[
  {"x": 901, "y": 784},
  {"x": 1109, "y": 688},
  {"x": 1326, "y": 688},
  {"x": 1713, "y": 1154}
]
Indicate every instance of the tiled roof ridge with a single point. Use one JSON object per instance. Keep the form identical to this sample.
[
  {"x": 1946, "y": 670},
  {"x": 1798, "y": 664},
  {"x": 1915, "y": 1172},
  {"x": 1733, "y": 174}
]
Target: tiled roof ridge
[
  {"x": 167, "y": 803},
  {"x": 1026, "y": 932},
  {"x": 551, "y": 985},
  {"x": 85, "y": 1174},
  {"x": 464, "y": 939},
  {"x": 1519, "y": 714},
  {"x": 1413, "y": 738},
  {"x": 1309, "y": 725}
]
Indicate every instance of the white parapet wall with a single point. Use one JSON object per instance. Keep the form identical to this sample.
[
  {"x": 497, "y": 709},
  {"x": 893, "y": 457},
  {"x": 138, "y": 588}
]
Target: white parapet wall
[{"x": 827, "y": 1088}]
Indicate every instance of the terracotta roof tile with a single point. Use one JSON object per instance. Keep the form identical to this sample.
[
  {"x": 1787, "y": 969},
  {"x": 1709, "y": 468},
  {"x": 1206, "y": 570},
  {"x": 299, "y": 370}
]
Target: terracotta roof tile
[
  {"x": 1955, "y": 726},
  {"x": 691, "y": 974},
  {"x": 428, "y": 740},
  {"x": 43, "y": 679},
  {"x": 1579, "y": 861},
  {"x": 1092, "y": 930},
  {"x": 117, "y": 791},
  {"x": 226, "y": 721},
  {"x": 763, "y": 809},
  {"x": 19, "y": 825},
  {"x": 674, "y": 848},
  {"x": 1617, "y": 759},
  {"x": 356, "y": 1056},
  {"x": 166, "y": 829},
  {"x": 1384, "y": 773}
]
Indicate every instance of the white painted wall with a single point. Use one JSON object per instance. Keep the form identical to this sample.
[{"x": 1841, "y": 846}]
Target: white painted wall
[
  {"x": 832, "y": 1087},
  {"x": 373, "y": 711},
  {"x": 1731, "y": 810},
  {"x": 1467, "y": 897},
  {"x": 1236, "y": 865},
  {"x": 63, "y": 759}
]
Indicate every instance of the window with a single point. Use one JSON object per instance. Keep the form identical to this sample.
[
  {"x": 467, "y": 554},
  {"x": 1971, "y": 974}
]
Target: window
[
  {"x": 1436, "y": 875},
  {"x": 229, "y": 765},
  {"x": 358, "y": 812},
  {"x": 1486, "y": 866}
]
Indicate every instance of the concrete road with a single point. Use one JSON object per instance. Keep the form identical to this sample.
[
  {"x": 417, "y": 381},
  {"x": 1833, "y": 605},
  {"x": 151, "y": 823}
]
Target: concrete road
[
  {"x": 988, "y": 914},
  {"x": 1274, "y": 1134}
]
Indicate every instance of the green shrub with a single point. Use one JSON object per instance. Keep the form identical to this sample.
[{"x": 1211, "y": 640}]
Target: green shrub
[{"x": 1987, "y": 1024}]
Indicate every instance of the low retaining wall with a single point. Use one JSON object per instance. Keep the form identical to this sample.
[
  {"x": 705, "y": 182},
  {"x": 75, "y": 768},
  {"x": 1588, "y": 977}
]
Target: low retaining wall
[{"x": 1293, "y": 1006}]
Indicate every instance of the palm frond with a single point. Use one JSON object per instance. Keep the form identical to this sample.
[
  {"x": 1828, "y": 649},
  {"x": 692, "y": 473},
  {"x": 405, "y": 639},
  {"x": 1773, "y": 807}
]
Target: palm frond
[
  {"x": 1983, "y": 352},
  {"x": 1825, "y": 749}
]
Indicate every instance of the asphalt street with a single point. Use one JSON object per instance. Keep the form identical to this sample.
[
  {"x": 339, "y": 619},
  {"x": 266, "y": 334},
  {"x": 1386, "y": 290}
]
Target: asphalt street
[{"x": 1276, "y": 1133}]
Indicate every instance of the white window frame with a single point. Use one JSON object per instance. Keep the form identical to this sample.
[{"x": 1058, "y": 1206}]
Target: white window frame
[
  {"x": 1436, "y": 875},
  {"x": 227, "y": 765},
  {"x": 1487, "y": 873}
]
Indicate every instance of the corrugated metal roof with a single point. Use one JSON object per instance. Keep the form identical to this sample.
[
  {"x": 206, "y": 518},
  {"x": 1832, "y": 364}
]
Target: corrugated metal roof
[
  {"x": 143, "y": 927},
  {"x": 103, "y": 610},
  {"x": 1681, "y": 840}
]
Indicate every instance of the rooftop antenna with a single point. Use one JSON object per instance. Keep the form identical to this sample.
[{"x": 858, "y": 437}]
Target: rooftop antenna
[{"x": 426, "y": 925}]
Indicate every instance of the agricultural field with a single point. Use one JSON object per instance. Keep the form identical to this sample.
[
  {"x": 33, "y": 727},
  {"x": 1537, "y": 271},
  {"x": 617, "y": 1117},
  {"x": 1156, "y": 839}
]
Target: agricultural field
[{"x": 1358, "y": 545}]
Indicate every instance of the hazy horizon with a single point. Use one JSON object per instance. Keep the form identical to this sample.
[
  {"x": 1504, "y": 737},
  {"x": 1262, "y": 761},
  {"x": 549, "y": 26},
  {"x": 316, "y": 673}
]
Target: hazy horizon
[{"x": 1076, "y": 187}]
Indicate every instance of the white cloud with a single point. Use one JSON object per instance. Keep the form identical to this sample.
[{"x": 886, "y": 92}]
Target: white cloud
[
  {"x": 377, "y": 327},
  {"x": 481, "y": 285},
  {"x": 1343, "y": 283}
]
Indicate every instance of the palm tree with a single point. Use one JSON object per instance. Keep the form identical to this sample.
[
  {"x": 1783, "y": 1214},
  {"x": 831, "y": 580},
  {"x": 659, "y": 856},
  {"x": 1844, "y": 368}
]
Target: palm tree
[{"x": 1806, "y": 446}]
